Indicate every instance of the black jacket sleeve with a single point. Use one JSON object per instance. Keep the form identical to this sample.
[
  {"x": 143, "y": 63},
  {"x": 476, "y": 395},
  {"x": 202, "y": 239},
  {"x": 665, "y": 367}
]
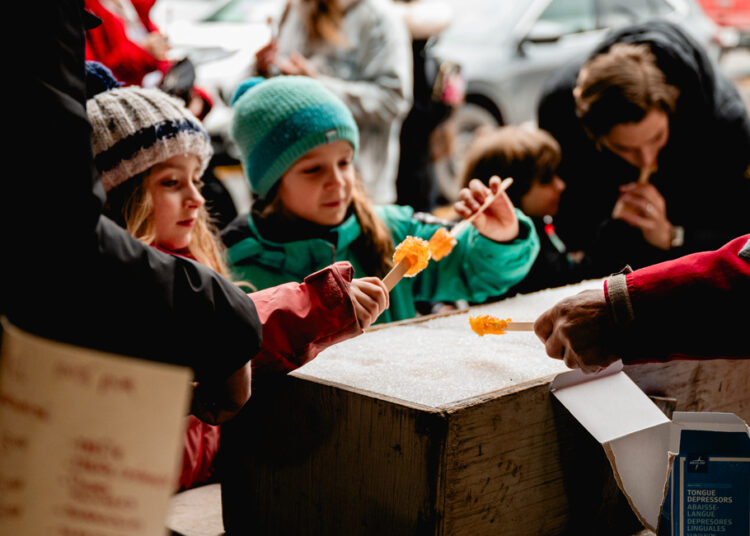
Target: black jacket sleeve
[{"x": 70, "y": 273}]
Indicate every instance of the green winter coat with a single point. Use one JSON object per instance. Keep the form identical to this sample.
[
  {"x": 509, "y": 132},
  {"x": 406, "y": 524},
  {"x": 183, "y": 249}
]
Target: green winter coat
[{"x": 475, "y": 270}]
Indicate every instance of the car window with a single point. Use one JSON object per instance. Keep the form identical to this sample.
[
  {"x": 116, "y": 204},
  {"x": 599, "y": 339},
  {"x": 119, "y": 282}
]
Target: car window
[
  {"x": 570, "y": 16},
  {"x": 613, "y": 13},
  {"x": 480, "y": 21},
  {"x": 661, "y": 7}
]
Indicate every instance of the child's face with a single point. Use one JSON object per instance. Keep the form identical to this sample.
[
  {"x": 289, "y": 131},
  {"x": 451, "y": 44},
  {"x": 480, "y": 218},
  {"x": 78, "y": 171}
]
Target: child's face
[
  {"x": 318, "y": 186},
  {"x": 543, "y": 199},
  {"x": 174, "y": 186}
]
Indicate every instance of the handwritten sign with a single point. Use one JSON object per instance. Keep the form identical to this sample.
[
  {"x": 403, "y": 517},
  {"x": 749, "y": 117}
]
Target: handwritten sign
[{"x": 90, "y": 443}]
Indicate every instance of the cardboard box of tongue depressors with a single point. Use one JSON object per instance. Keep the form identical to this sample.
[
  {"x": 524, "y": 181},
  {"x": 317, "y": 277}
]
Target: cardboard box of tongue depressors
[{"x": 689, "y": 476}]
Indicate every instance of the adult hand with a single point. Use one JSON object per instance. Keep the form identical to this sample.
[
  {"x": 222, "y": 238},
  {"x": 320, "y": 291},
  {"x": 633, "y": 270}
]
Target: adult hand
[
  {"x": 265, "y": 57},
  {"x": 578, "y": 330},
  {"x": 498, "y": 222},
  {"x": 157, "y": 45},
  {"x": 644, "y": 207},
  {"x": 370, "y": 298},
  {"x": 219, "y": 402},
  {"x": 297, "y": 64}
]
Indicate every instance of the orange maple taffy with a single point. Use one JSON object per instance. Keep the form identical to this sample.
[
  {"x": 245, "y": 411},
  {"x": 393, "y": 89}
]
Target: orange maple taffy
[
  {"x": 488, "y": 325},
  {"x": 441, "y": 244},
  {"x": 416, "y": 250}
]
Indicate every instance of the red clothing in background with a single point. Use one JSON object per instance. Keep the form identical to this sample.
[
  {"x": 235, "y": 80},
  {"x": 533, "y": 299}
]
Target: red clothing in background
[{"x": 109, "y": 43}]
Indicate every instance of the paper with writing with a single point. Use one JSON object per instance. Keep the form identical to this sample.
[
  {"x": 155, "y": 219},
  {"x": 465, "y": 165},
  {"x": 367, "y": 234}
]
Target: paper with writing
[{"x": 90, "y": 443}]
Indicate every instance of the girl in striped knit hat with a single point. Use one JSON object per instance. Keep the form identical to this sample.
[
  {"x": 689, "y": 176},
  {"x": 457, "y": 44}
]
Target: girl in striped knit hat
[{"x": 150, "y": 152}]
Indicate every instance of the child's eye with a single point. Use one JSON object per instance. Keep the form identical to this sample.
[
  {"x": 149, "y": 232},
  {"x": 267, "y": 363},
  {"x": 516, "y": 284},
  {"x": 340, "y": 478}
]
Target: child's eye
[
  {"x": 345, "y": 162},
  {"x": 168, "y": 182},
  {"x": 198, "y": 183},
  {"x": 311, "y": 170}
]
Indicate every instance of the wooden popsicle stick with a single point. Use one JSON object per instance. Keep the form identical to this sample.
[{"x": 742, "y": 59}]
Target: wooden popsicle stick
[
  {"x": 645, "y": 175},
  {"x": 396, "y": 273},
  {"x": 520, "y": 326},
  {"x": 463, "y": 224},
  {"x": 643, "y": 178}
]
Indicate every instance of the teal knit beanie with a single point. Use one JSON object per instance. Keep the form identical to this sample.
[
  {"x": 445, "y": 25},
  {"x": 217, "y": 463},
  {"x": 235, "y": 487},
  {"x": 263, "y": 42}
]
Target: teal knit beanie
[{"x": 276, "y": 121}]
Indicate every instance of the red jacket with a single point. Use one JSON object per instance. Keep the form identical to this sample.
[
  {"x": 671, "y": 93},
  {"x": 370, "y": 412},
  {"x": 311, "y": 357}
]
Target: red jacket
[
  {"x": 693, "y": 307},
  {"x": 299, "y": 321},
  {"x": 109, "y": 44}
]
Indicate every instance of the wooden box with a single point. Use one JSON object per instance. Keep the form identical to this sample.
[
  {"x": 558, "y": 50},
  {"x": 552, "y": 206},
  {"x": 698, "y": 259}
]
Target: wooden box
[{"x": 423, "y": 427}]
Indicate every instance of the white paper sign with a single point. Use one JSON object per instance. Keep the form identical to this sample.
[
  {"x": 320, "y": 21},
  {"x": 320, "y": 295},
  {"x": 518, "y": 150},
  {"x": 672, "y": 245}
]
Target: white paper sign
[{"x": 90, "y": 443}]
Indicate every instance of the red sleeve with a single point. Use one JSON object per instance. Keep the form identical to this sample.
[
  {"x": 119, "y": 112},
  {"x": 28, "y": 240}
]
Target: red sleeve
[
  {"x": 302, "y": 319},
  {"x": 109, "y": 44},
  {"x": 200, "y": 445},
  {"x": 693, "y": 307},
  {"x": 143, "y": 8}
]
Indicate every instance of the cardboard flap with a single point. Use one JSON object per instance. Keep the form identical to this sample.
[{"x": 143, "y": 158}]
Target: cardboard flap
[
  {"x": 634, "y": 432},
  {"x": 640, "y": 462},
  {"x": 714, "y": 421},
  {"x": 612, "y": 406}
]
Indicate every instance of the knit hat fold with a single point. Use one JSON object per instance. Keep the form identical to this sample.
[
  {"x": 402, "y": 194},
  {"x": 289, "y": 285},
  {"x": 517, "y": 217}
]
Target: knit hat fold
[
  {"x": 277, "y": 121},
  {"x": 135, "y": 128}
]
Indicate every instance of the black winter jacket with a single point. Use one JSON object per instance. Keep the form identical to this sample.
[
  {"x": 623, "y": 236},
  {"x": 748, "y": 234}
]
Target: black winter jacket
[
  {"x": 703, "y": 171},
  {"x": 71, "y": 274}
]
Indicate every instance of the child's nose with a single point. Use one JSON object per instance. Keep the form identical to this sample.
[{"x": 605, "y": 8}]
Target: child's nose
[
  {"x": 195, "y": 197},
  {"x": 337, "y": 178}
]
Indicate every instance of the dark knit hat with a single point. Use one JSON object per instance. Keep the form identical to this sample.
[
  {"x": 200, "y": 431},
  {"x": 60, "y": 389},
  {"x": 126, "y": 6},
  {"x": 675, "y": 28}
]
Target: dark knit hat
[
  {"x": 134, "y": 128},
  {"x": 276, "y": 121},
  {"x": 99, "y": 78}
]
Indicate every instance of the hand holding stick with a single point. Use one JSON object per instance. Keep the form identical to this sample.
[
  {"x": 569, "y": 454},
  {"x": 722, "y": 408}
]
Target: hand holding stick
[{"x": 463, "y": 224}]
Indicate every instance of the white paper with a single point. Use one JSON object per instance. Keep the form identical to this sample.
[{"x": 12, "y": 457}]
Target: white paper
[
  {"x": 90, "y": 443},
  {"x": 607, "y": 405}
]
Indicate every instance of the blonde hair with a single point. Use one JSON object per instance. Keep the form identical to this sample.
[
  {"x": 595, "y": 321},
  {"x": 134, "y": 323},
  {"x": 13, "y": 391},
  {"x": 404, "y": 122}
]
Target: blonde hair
[
  {"x": 204, "y": 244},
  {"x": 621, "y": 86}
]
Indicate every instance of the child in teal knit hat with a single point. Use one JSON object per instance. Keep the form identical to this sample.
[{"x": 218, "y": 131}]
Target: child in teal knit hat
[{"x": 298, "y": 144}]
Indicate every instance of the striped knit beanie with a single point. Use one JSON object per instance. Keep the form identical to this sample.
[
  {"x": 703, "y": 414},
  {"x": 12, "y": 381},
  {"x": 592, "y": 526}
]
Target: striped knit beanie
[
  {"x": 134, "y": 128},
  {"x": 276, "y": 121}
]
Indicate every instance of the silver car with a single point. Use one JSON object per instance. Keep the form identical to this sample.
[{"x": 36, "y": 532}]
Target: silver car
[{"x": 507, "y": 48}]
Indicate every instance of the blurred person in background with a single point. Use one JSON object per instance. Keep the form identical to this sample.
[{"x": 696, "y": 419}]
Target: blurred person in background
[
  {"x": 531, "y": 157},
  {"x": 127, "y": 41},
  {"x": 361, "y": 51},
  {"x": 438, "y": 89},
  {"x": 655, "y": 149}
]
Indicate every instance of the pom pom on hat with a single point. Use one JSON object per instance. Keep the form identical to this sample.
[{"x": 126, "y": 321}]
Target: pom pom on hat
[
  {"x": 135, "y": 128},
  {"x": 244, "y": 86},
  {"x": 99, "y": 78},
  {"x": 278, "y": 120}
]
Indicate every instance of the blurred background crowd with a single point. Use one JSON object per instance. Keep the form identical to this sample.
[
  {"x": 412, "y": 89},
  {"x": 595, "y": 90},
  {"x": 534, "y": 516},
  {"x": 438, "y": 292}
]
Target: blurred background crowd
[{"x": 470, "y": 71}]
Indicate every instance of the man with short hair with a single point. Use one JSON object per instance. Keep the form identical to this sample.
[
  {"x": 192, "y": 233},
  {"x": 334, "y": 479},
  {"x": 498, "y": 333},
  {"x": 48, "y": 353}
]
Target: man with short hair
[{"x": 655, "y": 149}]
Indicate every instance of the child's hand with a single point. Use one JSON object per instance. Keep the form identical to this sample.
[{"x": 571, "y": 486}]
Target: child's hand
[
  {"x": 370, "y": 298},
  {"x": 498, "y": 222},
  {"x": 265, "y": 57}
]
